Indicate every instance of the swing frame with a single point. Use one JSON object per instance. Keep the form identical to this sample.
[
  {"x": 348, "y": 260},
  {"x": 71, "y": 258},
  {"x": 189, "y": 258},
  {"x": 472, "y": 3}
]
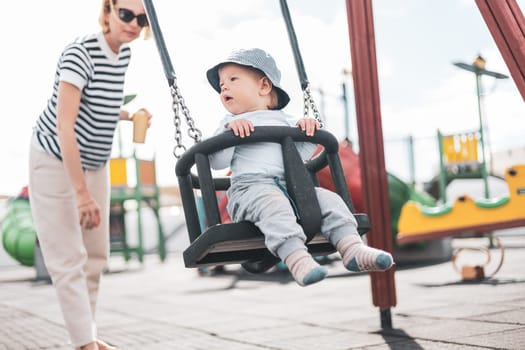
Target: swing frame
[{"x": 242, "y": 242}]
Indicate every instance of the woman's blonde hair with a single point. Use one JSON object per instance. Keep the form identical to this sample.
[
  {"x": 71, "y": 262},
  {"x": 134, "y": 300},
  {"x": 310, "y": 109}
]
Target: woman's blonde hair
[{"x": 107, "y": 5}]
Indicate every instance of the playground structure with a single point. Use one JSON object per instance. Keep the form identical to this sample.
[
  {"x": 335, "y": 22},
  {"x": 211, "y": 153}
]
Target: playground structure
[
  {"x": 459, "y": 153},
  {"x": 419, "y": 222},
  {"x": 143, "y": 191},
  {"x": 459, "y": 158}
]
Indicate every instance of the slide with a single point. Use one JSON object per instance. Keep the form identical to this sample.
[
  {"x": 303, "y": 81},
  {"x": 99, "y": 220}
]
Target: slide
[{"x": 18, "y": 232}]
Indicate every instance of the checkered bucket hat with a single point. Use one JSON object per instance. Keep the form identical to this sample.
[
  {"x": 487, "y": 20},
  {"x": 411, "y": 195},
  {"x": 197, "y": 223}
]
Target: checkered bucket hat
[{"x": 255, "y": 58}]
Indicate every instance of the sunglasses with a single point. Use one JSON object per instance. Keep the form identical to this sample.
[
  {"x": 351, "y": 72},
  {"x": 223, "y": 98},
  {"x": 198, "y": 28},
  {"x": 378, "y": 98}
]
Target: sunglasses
[{"x": 127, "y": 16}]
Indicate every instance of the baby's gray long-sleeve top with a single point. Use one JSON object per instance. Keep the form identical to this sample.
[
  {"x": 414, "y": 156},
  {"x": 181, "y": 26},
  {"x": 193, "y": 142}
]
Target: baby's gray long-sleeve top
[{"x": 260, "y": 157}]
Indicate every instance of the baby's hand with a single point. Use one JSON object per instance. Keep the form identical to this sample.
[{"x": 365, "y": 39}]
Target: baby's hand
[
  {"x": 241, "y": 127},
  {"x": 309, "y": 125}
]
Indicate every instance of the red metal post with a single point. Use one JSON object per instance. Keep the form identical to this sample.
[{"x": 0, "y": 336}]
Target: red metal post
[
  {"x": 507, "y": 26},
  {"x": 371, "y": 152}
]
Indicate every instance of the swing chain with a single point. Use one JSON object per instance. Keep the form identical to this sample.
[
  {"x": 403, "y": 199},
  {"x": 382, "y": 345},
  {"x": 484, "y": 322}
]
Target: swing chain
[
  {"x": 309, "y": 103},
  {"x": 193, "y": 132}
]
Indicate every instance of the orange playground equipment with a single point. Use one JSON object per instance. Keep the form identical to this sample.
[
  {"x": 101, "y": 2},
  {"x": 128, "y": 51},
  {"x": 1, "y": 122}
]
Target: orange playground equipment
[{"x": 418, "y": 222}]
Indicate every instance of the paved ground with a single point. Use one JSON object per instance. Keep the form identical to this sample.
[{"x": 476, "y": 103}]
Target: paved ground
[{"x": 166, "y": 306}]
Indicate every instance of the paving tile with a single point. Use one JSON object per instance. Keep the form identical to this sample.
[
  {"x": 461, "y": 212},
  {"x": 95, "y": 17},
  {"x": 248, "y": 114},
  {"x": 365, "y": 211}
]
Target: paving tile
[
  {"x": 461, "y": 310},
  {"x": 420, "y": 345},
  {"x": 509, "y": 339},
  {"x": 451, "y": 329},
  {"x": 513, "y": 316}
]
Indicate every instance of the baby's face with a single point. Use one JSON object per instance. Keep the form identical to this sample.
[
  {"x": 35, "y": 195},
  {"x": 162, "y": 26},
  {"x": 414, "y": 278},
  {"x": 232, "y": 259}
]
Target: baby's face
[{"x": 241, "y": 89}]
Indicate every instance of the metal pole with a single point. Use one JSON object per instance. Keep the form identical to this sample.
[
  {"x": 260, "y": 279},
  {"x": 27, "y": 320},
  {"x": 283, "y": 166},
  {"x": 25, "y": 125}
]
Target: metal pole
[
  {"x": 443, "y": 171},
  {"x": 481, "y": 137},
  {"x": 322, "y": 106},
  {"x": 346, "y": 112},
  {"x": 412, "y": 161}
]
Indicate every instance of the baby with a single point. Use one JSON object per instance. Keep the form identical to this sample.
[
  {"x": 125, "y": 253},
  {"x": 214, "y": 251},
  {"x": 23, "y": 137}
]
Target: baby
[{"x": 248, "y": 82}]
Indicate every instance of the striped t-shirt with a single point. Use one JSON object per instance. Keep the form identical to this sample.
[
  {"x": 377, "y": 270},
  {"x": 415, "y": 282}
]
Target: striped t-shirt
[{"x": 98, "y": 72}]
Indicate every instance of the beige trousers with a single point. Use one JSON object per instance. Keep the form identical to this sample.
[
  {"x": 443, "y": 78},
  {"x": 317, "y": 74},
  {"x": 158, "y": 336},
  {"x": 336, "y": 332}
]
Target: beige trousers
[{"x": 74, "y": 258}]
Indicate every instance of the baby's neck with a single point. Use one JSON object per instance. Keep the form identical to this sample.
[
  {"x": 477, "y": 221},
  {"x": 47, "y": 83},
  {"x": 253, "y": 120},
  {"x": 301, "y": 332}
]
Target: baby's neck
[{"x": 256, "y": 111}]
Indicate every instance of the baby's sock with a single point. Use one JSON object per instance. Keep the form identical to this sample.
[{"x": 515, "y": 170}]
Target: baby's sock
[
  {"x": 304, "y": 269},
  {"x": 359, "y": 257}
]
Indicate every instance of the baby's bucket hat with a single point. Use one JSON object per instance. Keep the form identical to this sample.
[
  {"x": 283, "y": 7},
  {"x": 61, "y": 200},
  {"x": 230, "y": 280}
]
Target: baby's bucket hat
[{"x": 255, "y": 58}]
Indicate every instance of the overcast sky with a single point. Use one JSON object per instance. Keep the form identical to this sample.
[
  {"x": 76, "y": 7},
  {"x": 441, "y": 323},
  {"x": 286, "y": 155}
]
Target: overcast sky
[{"x": 417, "y": 41}]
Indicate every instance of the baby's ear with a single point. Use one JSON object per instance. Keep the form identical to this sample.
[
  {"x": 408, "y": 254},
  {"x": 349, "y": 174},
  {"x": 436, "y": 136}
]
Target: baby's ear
[{"x": 266, "y": 85}]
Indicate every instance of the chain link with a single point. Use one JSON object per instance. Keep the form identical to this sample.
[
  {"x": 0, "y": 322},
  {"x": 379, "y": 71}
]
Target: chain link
[
  {"x": 178, "y": 106},
  {"x": 309, "y": 104}
]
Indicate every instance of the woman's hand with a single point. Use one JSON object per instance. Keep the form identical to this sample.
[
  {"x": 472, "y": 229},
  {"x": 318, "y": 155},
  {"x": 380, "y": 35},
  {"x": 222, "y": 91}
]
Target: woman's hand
[
  {"x": 88, "y": 212},
  {"x": 124, "y": 115},
  {"x": 241, "y": 127},
  {"x": 309, "y": 125}
]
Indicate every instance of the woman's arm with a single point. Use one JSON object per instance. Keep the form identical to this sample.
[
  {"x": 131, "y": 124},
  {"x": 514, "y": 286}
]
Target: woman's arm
[{"x": 68, "y": 106}]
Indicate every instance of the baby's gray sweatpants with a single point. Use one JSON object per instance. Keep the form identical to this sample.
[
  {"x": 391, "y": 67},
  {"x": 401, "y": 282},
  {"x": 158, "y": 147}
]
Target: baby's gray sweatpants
[{"x": 257, "y": 198}]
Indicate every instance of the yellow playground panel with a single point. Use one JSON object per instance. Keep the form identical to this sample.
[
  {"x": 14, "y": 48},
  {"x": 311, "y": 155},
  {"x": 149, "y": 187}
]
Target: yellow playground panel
[
  {"x": 460, "y": 148},
  {"x": 417, "y": 222},
  {"x": 118, "y": 174}
]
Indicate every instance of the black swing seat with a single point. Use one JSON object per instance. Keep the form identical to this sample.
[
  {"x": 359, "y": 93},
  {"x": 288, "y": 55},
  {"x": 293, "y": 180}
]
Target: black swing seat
[{"x": 243, "y": 242}]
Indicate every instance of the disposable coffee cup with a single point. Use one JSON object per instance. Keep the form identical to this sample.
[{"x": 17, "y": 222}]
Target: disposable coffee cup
[{"x": 140, "y": 125}]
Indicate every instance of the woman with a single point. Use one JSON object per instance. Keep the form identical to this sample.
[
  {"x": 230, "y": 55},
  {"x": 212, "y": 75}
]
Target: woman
[{"x": 68, "y": 176}]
